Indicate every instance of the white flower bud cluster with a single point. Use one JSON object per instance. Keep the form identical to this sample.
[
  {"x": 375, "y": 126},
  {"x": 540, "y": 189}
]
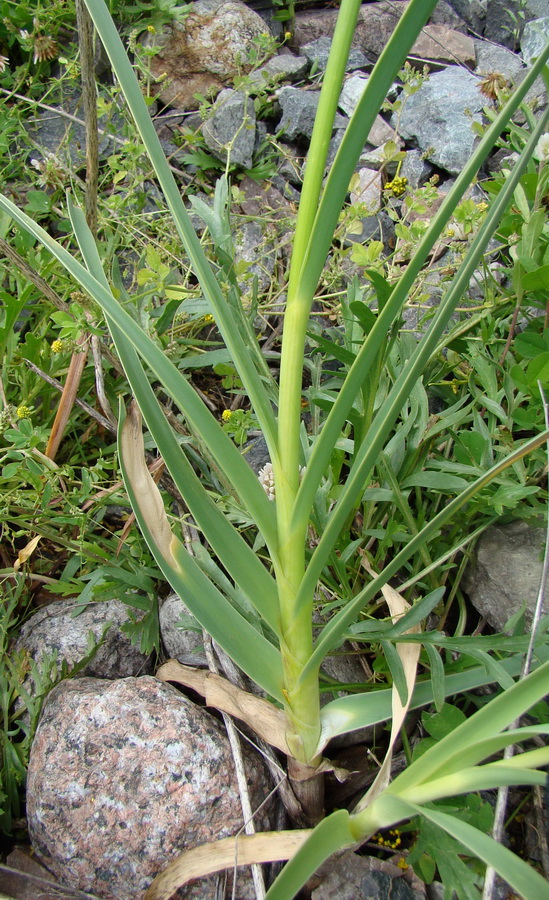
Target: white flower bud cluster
[
  {"x": 542, "y": 148},
  {"x": 266, "y": 478}
]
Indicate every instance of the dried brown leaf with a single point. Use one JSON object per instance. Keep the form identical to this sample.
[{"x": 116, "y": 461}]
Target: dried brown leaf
[
  {"x": 409, "y": 655},
  {"x": 209, "y": 858},
  {"x": 147, "y": 495},
  {"x": 265, "y": 719},
  {"x": 26, "y": 552}
]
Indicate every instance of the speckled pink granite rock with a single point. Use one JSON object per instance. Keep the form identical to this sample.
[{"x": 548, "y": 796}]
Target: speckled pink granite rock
[{"x": 123, "y": 776}]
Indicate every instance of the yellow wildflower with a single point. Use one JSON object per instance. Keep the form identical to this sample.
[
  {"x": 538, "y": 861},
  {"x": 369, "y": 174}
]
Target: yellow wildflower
[
  {"x": 23, "y": 412},
  {"x": 57, "y": 346},
  {"x": 226, "y": 415},
  {"x": 397, "y": 185}
]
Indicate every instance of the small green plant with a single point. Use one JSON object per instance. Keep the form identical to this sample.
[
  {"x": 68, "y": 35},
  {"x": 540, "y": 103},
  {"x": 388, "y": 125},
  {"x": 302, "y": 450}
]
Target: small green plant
[{"x": 263, "y": 616}]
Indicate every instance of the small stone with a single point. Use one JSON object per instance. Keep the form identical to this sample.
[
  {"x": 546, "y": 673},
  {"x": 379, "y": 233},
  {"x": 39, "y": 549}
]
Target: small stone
[
  {"x": 318, "y": 51},
  {"x": 230, "y": 132},
  {"x": 56, "y": 137},
  {"x": 351, "y": 92},
  {"x": 254, "y": 248},
  {"x": 493, "y": 58},
  {"x": 506, "y": 572},
  {"x": 444, "y": 45},
  {"x": 534, "y": 38},
  {"x": 367, "y": 189},
  {"x": 415, "y": 168},
  {"x": 472, "y": 12},
  {"x": 285, "y": 67},
  {"x": 298, "y": 112},
  {"x": 376, "y": 158},
  {"x": 181, "y": 640},
  {"x": 54, "y": 628},
  {"x": 353, "y": 877}
]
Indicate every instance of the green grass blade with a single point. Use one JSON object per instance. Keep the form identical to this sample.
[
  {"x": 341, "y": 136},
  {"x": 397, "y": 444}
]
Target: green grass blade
[
  {"x": 243, "y": 354},
  {"x": 333, "y": 632},
  {"x": 383, "y": 75},
  {"x": 366, "y": 357},
  {"x": 176, "y": 385},
  {"x": 487, "y": 721},
  {"x": 474, "y": 754},
  {"x": 307, "y": 267},
  {"x": 231, "y": 548},
  {"x": 360, "y": 710},
  {"x": 322, "y": 130},
  {"x": 241, "y": 641},
  {"x": 528, "y": 883},
  {"x": 332, "y": 834},
  {"x": 388, "y": 413},
  {"x": 471, "y": 780}
]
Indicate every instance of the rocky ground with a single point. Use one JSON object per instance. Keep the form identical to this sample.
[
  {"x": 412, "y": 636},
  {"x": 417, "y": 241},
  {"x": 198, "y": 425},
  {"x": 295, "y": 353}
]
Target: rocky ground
[{"x": 125, "y": 771}]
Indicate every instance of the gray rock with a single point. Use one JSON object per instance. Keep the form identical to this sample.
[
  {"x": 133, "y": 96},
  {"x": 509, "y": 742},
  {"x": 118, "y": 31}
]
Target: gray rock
[
  {"x": 202, "y": 52},
  {"x": 493, "y": 58},
  {"x": 534, "y": 38},
  {"x": 439, "y": 116},
  {"x": 367, "y": 189},
  {"x": 318, "y": 51},
  {"x": 443, "y": 46},
  {"x": 505, "y": 19},
  {"x": 445, "y": 14},
  {"x": 285, "y": 67},
  {"x": 335, "y": 143},
  {"x": 180, "y": 641},
  {"x": 375, "y": 228},
  {"x": 257, "y": 453},
  {"x": 502, "y": 22},
  {"x": 351, "y": 92},
  {"x": 376, "y": 23},
  {"x": 230, "y": 132},
  {"x": 253, "y": 247},
  {"x": 298, "y": 112},
  {"x": 58, "y": 136},
  {"x": 375, "y": 158},
  {"x": 415, "y": 168},
  {"x": 123, "y": 776},
  {"x": 353, "y": 877},
  {"x": 473, "y": 12},
  {"x": 506, "y": 572},
  {"x": 53, "y": 628}
]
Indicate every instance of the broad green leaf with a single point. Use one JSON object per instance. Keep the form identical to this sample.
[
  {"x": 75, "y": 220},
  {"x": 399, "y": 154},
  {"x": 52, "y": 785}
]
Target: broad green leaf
[
  {"x": 332, "y": 834},
  {"x": 200, "y": 419},
  {"x": 435, "y": 481},
  {"x": 237, "y": 556},
  {"x": 528, "y": 883},
  {"x": 244, "y": 644},
  {"x": 487, "y": 721},
  {"x": 246, "y": 357},
  {"x": 359, "y": 710}
]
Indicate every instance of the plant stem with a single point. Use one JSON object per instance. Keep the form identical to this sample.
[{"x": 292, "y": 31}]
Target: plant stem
[{"x": 303, "y": 706}]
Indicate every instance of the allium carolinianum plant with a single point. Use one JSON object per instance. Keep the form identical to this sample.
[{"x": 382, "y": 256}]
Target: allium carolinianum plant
[{"x": 277, "y": 649}]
